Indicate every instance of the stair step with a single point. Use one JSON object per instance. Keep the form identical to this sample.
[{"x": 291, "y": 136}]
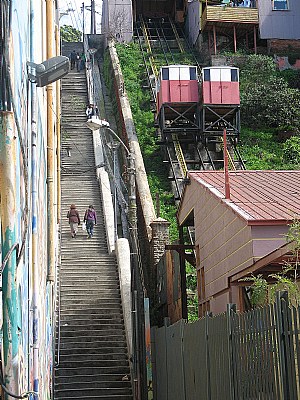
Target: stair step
[
  {"x": 94, "y": 344},
  {"x": 100, "y": 397},
  {"x": 93, "y": 356},
  {"x": 95, "y": 384},
  {"x": 99, "y": 351},
  {"x": 96, "y": 371},
  {"x": 91, "y": 307},
  {"x": 68, "y": 394}
]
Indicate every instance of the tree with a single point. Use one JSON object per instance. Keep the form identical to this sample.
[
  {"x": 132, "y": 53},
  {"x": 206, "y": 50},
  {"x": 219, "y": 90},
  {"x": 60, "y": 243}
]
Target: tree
[
  {"x": 266, "y": 98},
  {"x": 70, "y": 34}
]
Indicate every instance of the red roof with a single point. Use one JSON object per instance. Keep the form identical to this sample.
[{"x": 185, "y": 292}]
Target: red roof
[{"x": 257, "y": 196}]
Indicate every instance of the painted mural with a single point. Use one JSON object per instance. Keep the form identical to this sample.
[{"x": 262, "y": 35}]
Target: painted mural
[{"x": 26, "y": 349}]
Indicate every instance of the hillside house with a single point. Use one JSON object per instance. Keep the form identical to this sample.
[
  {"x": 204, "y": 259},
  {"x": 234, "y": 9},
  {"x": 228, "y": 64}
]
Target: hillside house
[
  {"x": 279, "y": 24},
  {"x": 239, "y": 235}
]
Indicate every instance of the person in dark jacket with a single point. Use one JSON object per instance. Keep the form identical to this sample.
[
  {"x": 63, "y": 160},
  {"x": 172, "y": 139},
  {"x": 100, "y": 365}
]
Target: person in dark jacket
[
  {"x": 90, "y": 218},
  {"x": 73, "y": 58},
  {"x": 74, "y": 220},
  {"x": 91, "y": 111}
]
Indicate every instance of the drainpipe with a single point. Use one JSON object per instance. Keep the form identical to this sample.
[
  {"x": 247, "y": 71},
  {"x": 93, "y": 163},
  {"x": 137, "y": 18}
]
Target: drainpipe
[
  {"x": 34, "y": 242},
  {"x": 227, "y": 184},
  {"x": 58, "y": 133},
  {"x": 35, "y": 269},
  {"x": 8, "y": 158},
  {"x": 50, "y": 150}
]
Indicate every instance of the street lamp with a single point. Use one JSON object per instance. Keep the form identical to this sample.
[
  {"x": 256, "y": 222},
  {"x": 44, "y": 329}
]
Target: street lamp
[{"x": 94, "y": 123}]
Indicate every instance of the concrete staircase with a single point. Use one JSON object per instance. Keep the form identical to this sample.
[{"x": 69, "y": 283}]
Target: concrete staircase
[{"x": 92, "y": 352}]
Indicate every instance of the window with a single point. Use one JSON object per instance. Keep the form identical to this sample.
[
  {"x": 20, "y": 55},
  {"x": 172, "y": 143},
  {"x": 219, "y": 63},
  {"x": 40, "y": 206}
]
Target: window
[
  {"x": 280, "y": 4},
  {"x": 165, "y": 74},
  {"x": 234, "y": 75},
  {"x": 193, "y": 74},
  {"x": 206, "y": 75}
]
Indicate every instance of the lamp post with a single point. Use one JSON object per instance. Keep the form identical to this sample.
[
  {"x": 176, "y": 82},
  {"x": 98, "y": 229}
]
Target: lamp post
[{"x": 94, "y": 124}]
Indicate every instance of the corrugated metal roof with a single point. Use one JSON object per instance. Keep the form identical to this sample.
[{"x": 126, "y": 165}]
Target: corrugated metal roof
[{"x": 257, "y": 196}]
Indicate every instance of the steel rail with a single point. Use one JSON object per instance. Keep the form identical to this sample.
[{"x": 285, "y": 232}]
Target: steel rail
[
  {"x": 230, "y": 160},
  {"x": 181, "y": 48},
  {"x": 171, "y": 161},
  {"x": 149, "y": 48},
  {"x": 179, "y": 155},
  {"x": 239, "y": 157},
  {"x": 152, "y": 88},
  {"x": 190, "y": 48},
  {"x": 160, "y": 42},
  {"x": 166, "y": 41}
]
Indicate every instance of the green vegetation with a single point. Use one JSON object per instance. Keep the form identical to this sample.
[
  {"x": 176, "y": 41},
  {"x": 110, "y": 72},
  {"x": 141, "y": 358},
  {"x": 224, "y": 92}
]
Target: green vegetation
[
  {"x": 70, "y": 34},
  {"x": 267, "y": 101},
  {"x": 261, "y": 150},
  {"x": 140, "y": 101},
  {"x": 270, "y": 115},
  {"x": 192, "y": 299}
]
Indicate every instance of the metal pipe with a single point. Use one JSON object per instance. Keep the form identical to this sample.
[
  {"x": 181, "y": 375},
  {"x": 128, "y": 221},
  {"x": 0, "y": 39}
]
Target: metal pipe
[
  {"x": 58, "y": 132},
  {"x": 215, "y": 39},
  {"x": 34, "y": 240},
  {"x": 8, "y": 158},
  {"x": 234, "y": 38},
  {"x": 34, "y": 245},
  {"x": 227, "y": 185},
  {"x": 50, "y": 150}
]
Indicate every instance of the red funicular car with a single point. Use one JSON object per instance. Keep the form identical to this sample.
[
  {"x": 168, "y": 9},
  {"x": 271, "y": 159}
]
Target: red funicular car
[
  {"x": 177, "y": 97},
  {"x": 220, "y": 85}
]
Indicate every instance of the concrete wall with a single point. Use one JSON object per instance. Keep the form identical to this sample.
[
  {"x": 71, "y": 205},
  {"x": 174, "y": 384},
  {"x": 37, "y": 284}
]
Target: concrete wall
[
  {"x": 117, "y": 19},
  {"x": 192, "y": 25},
  {"x": 275, "y": 24},
  {"x": 128, "y": 129}
]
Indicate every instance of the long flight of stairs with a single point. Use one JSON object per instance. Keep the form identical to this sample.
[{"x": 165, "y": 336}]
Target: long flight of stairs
[{"x": 91, "y": 351}]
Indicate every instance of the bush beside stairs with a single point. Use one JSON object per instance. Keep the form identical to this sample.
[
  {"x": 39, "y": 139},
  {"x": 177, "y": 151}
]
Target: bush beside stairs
[{"x": 91, "y": 351}]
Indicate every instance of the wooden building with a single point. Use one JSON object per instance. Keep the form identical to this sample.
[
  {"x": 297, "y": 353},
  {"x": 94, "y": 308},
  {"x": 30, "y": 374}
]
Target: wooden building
[
  {"x": 242, "y": 234},
  {"x": 219, "y": 25}
]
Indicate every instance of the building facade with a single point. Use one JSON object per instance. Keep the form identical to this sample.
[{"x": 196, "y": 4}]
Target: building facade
[
  {"x": 29, "y": 211},
  {"x": 239, "y": 235}
]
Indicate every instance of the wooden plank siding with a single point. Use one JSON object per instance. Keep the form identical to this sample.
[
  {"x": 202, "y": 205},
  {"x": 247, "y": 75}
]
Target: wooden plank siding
[
  {"x": 230, "y": 15},
  {"x": 266, "y": 239},
  {"x": 224, "y": 239}
]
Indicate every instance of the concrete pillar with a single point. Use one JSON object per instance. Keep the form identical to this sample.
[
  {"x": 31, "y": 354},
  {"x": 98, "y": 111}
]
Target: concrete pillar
[{"x": 160, "y": 237}]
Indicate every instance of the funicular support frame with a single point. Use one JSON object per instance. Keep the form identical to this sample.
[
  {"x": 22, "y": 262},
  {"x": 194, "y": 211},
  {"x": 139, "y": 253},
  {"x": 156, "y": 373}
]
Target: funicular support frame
[
  {"x": 172, "y": 120},
  {"x": 213, "y": 122}
]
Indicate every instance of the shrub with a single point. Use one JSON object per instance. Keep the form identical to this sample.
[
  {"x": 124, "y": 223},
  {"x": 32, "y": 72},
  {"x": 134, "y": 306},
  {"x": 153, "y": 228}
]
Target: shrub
[
  {"x": 270, "y": 103},
  {"x": 291, "y": 150},
  {"x": 292, "y": 77}
]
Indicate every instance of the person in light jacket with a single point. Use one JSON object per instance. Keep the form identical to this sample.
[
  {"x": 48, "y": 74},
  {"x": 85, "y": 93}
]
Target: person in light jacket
[
  {"x": 74, "y": 220},
  {"x": 90, "y": 218}
]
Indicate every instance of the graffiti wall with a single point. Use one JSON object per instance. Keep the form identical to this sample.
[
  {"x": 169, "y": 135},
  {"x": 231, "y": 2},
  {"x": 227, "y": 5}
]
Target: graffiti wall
[{"x": 26, "y": 350}]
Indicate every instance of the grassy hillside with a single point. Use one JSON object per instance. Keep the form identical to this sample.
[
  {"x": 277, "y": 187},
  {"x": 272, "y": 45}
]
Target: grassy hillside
[{"x": 270, "y": 114}]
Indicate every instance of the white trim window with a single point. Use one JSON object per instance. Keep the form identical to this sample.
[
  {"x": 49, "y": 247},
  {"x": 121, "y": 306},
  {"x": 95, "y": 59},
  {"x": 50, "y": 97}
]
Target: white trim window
[{"x": 279, "y": 5}]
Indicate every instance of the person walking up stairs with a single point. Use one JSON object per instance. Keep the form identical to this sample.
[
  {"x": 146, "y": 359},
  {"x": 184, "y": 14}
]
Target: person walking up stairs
[{"x": 91, "y": 349}]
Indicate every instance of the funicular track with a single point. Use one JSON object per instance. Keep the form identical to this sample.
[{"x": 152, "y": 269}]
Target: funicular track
[{"x": 186, "y": 145}]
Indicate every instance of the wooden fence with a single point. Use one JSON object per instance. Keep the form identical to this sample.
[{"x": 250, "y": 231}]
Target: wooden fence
[{"x": 238, "y": 356}]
